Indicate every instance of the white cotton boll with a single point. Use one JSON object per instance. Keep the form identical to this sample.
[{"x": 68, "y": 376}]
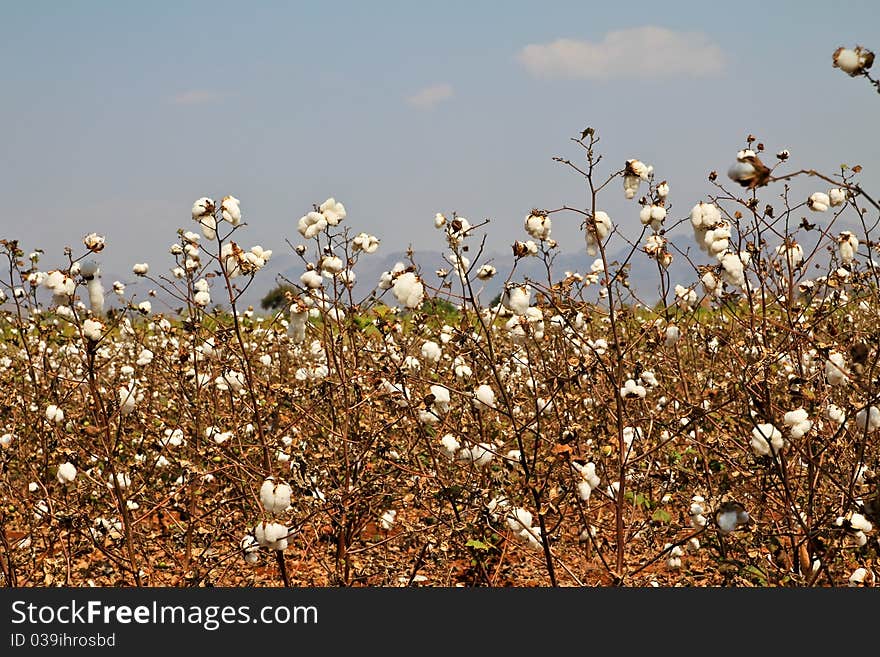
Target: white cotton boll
[
  {"x": 649, "y": 379},
  {"x": 480, "y": 455},
  {"x": 836, "y": 372},
  {"x": 602, "y": 222},
  {"x": 386, "y": 520},
  {"x": 653, "y": 216},
  {"x": 818, "y": 202},
  {"x": 868, "y": 419},
  {"x": 584, "y": 490},
  {"x": 365, "y": 242},
  {"x": 860, "y": 577},
  {"x": 798, "y": 422},
  {"x": 54, "y": 414},
  {"x": 331, "y": 265},
  {"x": 663, "y": 190},
  {"x": 836, "y": 197},
  {"x": 250, "y": 549},
  {"x": 66, "y": 473},
  {"x": 311, "y": 279},
  {"x": 94, "y": 242},
  {"x": 92, "y": 330},
  {"x": 202, "y": 299},
  {"x": 766, "y": 438},
  {"x": 275, "y": 495},
  {"x": 441, "y": 398},
  {"x": 538, "y": 226},
  {"x": 848, "y": 245},
  {"x": 853, "y": 62},
  {"x": 144, "y": 358},
  {"x": 6, "y": 440},
  {"x": 408, "y": 290},
  {"x": 230, "y": 210},
  {"x": 333, "y": 211},
  {"x": 311, "y": 224},
  {"x": 485, "y": 396},
  {"x": 630, "y": 185},
  {"x": 632, "y": 390},
  {"x": 860, "y": 522},
  {"x": 128, "y": 398},
  {"x": 518, "y": 519},
  {"x": 485, "y": 272},
  {"x": 209, "y": 226},
  {"x": 462, "y": 371},
  {"x": 271, "y": 535},
  {"x": 732, "y": 270},
  {"x": 730, "y": 516},
  {"x": 847, "y": 60},
  {"x": 431, "y": 351},
  {"x": 671, "y": 335},
  {"x": 141, "y": 268},
  {"x": 516, "y": 298},
  {"x": 836, "y": 414},
  {"x": 439, "y": 220},
  {"x": 122, "y": 479},
  {"x": 792, "y": 253},
  {"x": 449, "y": 446}
]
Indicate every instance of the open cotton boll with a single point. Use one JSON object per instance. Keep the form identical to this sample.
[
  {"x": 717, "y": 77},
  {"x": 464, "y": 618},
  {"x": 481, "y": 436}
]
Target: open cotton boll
[
  {"x": 868, "y": 419},
  {"x": 408, "y": 290},
  {"x": 848, "y": 246},
  {"x": 798, "y": 422},
  {"x": 92, "y": 330},
  {"x": 333, "y": 211},
  {"x": 861, "y": 577},
  {"x": 653, "y": 216},
  {"x": 275, "y": 495},
  {"x": 386, "y": 520},
  {"x": 730, "y": 516},
  {"x": 538, "y": 225},
  {"x": 94, "y": 242},
  {"x": 311, "y": 279},
  {"x": 602, "y": 223},
  {"x": 365, "y": 242},
  {"x": 485, "y": 396},
  {"x": 766, "y": 438},
  {"x": 6, "y": 439},
  {"x": 516, "y": 298},
  {"x": 449, "y": 446},
  {"x": 792, "y": 252},
  {"x": 441, "y": 398},
  {"x": 853, "y": 61},
  {"x": 431, "y": 351},
  {"x": 54, "y": 414},
  {"x": 673, "y": 561},
  {"x": 632, "y": 390},
  {"x": 271, "y": 535},
  {"x": 311, "y": 224},
  {"x": 250, "y": 549},
  {"x": 122, "y": 480},
  {"x": 480, "y": 455},
  {"x": 230, "y": 210},
  {"x": 818, "y": 202},
  {"x": 66, "y": 473},
  {"x": 518, "y": 519},
  {"x": 485, "y": 272},
  {"x": 836, "y": 372}
]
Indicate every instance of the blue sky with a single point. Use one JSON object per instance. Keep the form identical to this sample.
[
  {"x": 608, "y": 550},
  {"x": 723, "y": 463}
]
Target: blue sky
[{"x": 118, "y": 115}]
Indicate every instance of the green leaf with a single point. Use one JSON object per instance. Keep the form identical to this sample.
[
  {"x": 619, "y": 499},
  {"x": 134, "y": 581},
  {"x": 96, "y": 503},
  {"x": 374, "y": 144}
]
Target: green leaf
[
  {"x": 477, "y": 544},
  {"x": 661, "y": 515}
]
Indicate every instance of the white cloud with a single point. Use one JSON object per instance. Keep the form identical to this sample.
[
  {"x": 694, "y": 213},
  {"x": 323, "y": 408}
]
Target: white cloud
[
  {"x": 639, "y": 52},
  {"x": 195, "y": 97},
  {"x": 430, "y": 96}
]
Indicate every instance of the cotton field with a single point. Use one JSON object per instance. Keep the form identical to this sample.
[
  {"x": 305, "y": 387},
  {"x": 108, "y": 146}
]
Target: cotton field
[{"x": 566, "y": 433}]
